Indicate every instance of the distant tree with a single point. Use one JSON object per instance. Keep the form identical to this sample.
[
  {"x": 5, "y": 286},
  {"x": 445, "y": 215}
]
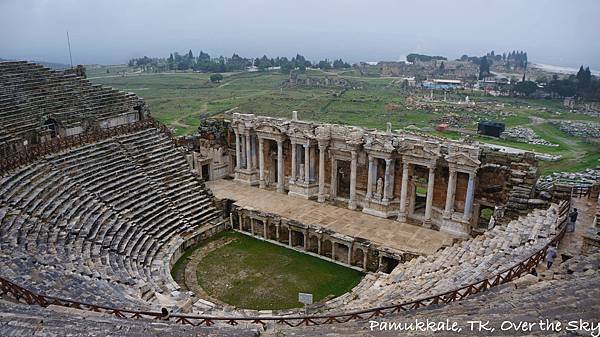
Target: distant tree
[
  {"x": 584, "y": 82},
  {"x": 340, "y": 64},
  {"x": 171, "y": 62},
  {"x": 442, "y": 67},
  {"x": 324, "y": 64},
  {"x": 412, "y": 57},
  {"x": 525, "y": 88},
  {"x": 484, "y": 68},
  {"x": 216, "y": 78},
  {"x": 286, "y": 67}
]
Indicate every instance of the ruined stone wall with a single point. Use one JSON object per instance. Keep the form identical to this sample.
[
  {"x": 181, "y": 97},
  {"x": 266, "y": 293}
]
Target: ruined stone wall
[{"x": 509, "y": 179}]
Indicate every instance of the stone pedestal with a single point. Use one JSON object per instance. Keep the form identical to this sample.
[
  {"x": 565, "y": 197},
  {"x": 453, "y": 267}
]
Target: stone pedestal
[
  {"x": 303, "y": 190},
  {"x": 380, "y": 207},
  {"x": 455, "y": 227},
  {"x": 249, "y": 177}
]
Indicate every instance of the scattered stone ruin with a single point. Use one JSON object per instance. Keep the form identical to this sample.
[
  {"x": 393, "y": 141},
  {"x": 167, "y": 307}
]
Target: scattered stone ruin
[{"x": 299, "y": 80}]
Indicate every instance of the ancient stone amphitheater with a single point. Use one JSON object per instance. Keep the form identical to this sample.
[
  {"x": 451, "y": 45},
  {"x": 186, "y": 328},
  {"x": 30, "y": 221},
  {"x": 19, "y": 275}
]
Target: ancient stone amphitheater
[{"x": 98, "y": 201}]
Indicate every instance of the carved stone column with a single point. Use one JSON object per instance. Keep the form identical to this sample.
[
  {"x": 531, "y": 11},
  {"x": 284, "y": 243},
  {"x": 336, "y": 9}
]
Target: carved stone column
[
  {"x": 319, "y": 245},
  {"x": 350, "y": 254},
  {"x": 243, "y": 152},
  {"x": 238, "y": 154},
  {"x": 450, "y": 194},
  {"x": 469, "y": 198},
  {"x": 305, "y": 235},
  {"x": 321, "y": 197},
  {"x": 313, "y": 158},
  {"x": 261, "y": 163},
  {"x": 248, "y": 152},
  {"x": 307, "y": 163},
  {"x": 403, "y": 193},
  {"x": 429, "y": 202},
  {"x": 370, "y": 179},
  {"x": 280, "y": 166},
  {"x": 293, "y": 178},
  {"x": 333, "y": 186},
  {"x": 387, "y": 180},
  {"x": 333, "y": 250},
  {"x": 352, "y": 202}
]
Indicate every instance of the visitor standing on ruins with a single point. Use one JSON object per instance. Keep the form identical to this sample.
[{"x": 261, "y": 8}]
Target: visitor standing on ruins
[
  {"x": 550, "y": 255},
  {"x": 572, "y": 219}
]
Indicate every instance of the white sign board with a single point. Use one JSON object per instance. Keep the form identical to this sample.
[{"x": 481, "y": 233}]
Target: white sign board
[{"x": 305, "y": 298}]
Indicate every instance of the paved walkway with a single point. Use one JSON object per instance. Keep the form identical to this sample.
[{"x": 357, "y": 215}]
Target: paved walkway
[
  {"x": 384, "y": 232},
  {"x": 572, "y": 242}
]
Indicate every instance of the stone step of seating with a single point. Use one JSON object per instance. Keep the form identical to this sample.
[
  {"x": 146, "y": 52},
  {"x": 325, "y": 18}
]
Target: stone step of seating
[
  {"x": 37, "y": 91},
  {"x": 24, "y": 320},
  {"x": 92, "y": 214},
  {"x": 459, "y": 265},
  {"x": 572, "y": 295}
]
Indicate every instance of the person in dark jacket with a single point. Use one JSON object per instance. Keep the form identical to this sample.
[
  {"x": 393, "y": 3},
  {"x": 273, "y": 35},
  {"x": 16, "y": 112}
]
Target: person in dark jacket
[{"x": 572, "y": 219}]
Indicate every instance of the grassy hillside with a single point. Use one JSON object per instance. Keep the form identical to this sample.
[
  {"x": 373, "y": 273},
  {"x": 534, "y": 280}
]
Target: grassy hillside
[{"x": 178, "y": 99}]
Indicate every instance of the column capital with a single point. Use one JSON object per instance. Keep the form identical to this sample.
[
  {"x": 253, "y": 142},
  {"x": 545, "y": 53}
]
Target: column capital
[{"x": 323, "y": 143}]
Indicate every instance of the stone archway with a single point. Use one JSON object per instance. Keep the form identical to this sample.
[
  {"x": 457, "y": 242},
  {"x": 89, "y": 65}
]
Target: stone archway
[
  {"x": 297, "y": 239},
  {"x": 284, "y": 234},
  {"x": 341, "y": 252},
  {"x": 326, "y": 245},
  {"x": 313, "y": 244},
  {"x": 271, "y": 231},
  {"x": 358, "y": 258},
  {"x": 259, "y": 228},
  {"x": 245, "y": 225}
]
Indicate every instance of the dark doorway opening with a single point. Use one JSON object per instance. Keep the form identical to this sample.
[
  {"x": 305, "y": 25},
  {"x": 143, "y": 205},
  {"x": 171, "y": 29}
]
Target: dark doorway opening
[
  {"x": 52, "y": 127},
  {"x": 343, "y": 179},
  {"x": 206, "y": 172},
  {"x": 388, "y": 264}
]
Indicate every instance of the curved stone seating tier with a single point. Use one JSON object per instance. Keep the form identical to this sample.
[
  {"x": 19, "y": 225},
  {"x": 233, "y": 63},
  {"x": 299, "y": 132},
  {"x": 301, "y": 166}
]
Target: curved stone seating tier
[
  {"x": 461, "y": 264},
  {"x": 94, "y": 224},
  {"x": 30, "y": 93},
  {"x": 31, "y": 320},
  {"x": 572, "y": 295}
]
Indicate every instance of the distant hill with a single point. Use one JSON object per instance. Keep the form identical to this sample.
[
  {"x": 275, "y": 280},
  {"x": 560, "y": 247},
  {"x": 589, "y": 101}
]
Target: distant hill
[{"x": 51, "y": 65}]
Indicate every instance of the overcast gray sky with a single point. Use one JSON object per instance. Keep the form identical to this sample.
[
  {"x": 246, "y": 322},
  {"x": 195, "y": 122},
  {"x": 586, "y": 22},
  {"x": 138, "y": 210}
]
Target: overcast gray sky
[{"x": 112, "y": 31}]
